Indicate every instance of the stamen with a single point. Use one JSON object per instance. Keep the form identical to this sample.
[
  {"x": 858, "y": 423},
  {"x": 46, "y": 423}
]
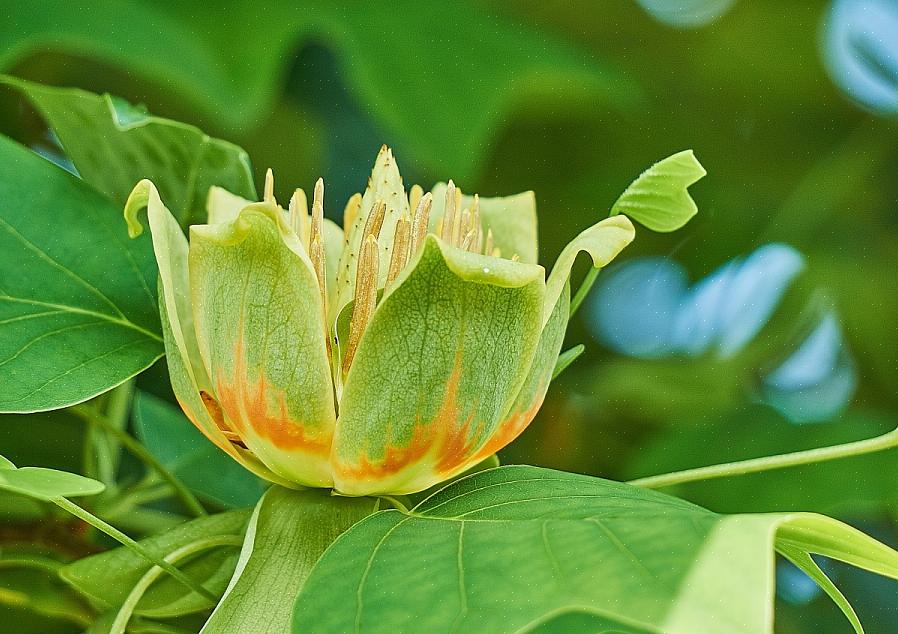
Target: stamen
[
  {"x": 316, "y": 236},
  {"x": 449, "y": 214},
  {"x": 365, "y": 297},
  {"x": 420, "y": 222},
  {"x": 464, "y": 227},
  {"x": 316, "y": 250},
  {"x": 350, "y": 213},
  {"x": 414, "y": 196},
  {"x": 456, "y": 227},
  {"x": 467, "y": 242},
  {"x": 268, "y": 196},
  {"x": 475, "y": 223},
  {"x": 400, "y": 249},
  {"x": 488, "y": 249},
  {"x": 298, "y": 214},
  {"x": 375, "y": 219}
]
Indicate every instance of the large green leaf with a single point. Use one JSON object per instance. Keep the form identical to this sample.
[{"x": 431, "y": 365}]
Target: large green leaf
[
  {"x": 108, "y": 578},
  {"x": 521, "y": 549},
  {"x": 45, "y": 484},
  {"x": 113, "y": 145},
  {"x": 173, "y": 439},
  {"x": 286, "y": 536},
  {"x": 419, "y": 74},
  {"x": 77, "y": 298}
]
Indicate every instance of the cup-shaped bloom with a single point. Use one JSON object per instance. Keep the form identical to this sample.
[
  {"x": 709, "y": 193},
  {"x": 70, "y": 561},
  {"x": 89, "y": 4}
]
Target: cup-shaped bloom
[{"x": 380, "y": 358}]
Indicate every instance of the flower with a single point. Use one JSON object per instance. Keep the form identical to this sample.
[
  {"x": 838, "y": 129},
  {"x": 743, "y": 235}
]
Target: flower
[{"x": 381, "y": 358}]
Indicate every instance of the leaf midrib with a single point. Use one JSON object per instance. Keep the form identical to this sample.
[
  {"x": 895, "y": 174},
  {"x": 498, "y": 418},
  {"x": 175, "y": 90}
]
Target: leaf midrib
[{"x": 120, "y": 321}]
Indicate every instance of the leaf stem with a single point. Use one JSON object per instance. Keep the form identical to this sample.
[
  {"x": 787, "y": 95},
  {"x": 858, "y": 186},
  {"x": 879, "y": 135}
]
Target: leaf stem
[
  {"x": 583, "y": 291},
  {"x": 120, "y": 624},
  {"x": 119, "y": 536},
  {"x": 131, "y": 444},
  {"x": 769, "y": 463}
]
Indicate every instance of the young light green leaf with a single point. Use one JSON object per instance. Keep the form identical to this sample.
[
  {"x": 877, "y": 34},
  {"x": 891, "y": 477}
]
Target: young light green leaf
[
  {"x": 659, "y": 198},
  {"x": 286, "y": 536},
  {"x": 107, "y": 578},
  {"x": 113, "y": 145},
  {"x": 45, "y": 484},
  {"x": 474, "y": 551},
  {"x": 77, "y": 298}
]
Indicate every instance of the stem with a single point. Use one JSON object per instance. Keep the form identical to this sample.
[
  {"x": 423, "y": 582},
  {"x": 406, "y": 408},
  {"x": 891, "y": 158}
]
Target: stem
[
  {"x": 769, "y": 463},
  {"x": 120, "y": 624},
  {"x": 130, "y": 443},
  {"x": 584, "y": 289},
  {"x": 116, "y": 534}
]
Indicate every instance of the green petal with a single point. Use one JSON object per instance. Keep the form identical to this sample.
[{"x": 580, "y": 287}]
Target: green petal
[
  {"x": 440, "y": 364},
  {"x": 659, "y": 198},
  {"x": 260, "y": 327},
  {"x": 531, "y": 395},
  {"x": 603, "y": 241},
  {"x": 170, "y": 247},
  {"x": 223, "y": 206},
  {"x": 384, "y": 184},
  {"x": 188, "y": 395},
  {"x": 512, "y": 219},
  {"x": 186, "y": 370}
]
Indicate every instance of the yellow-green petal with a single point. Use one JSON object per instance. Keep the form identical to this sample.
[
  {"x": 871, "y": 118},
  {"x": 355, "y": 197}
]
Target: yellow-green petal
[
  {"x": 440, "y": 365},
  {"x": 511, "y": 218},
  {"x": 259, "y": 323},
  {"x": 187, "y": 372},
  {"x": 602, "y": 241},
  {"x": 223, "y": 206},
  {"x": 530, "y": 396}
]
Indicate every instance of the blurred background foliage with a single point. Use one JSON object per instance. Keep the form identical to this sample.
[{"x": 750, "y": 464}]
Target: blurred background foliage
[{"x": 765, "y": 326}]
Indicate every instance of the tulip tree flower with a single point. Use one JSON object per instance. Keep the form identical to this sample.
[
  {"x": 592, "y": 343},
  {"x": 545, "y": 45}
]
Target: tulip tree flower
[{"x": 383, "y": 357}]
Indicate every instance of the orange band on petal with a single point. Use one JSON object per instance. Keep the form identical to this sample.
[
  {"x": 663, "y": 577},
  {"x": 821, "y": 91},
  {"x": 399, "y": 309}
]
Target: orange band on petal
[
  {"x": 509, "y": 429},
  {"x": 243, "y": 402},
  {"x": 446, "y": 442}
]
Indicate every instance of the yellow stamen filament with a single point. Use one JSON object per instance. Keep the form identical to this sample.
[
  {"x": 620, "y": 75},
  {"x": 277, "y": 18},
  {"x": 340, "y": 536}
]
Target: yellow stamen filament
[
  {"x": 316, "y": 236},
  {"x": 375, "y": 219},
  {"x": 464, "y": 227},
  {"x": 420, "y": 222},
  {"x": 414, "y": 196},
  {"x": 268, "y": 196},
  {"x": 351, "y": 212},
  {"x": 449, "y": 214},
  {"x": 400, "y": 249},
  {"x": 365, "y": 297},
  {"x": 488, "y": 249},
  {"x": 467, "y": 243},
  {"x": 298, "y": 214}
]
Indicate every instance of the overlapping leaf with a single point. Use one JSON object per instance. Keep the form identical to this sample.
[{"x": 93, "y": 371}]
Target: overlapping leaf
[
  {"x": 517, "y": 549},
  {"x": 77, "y": 299}
]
